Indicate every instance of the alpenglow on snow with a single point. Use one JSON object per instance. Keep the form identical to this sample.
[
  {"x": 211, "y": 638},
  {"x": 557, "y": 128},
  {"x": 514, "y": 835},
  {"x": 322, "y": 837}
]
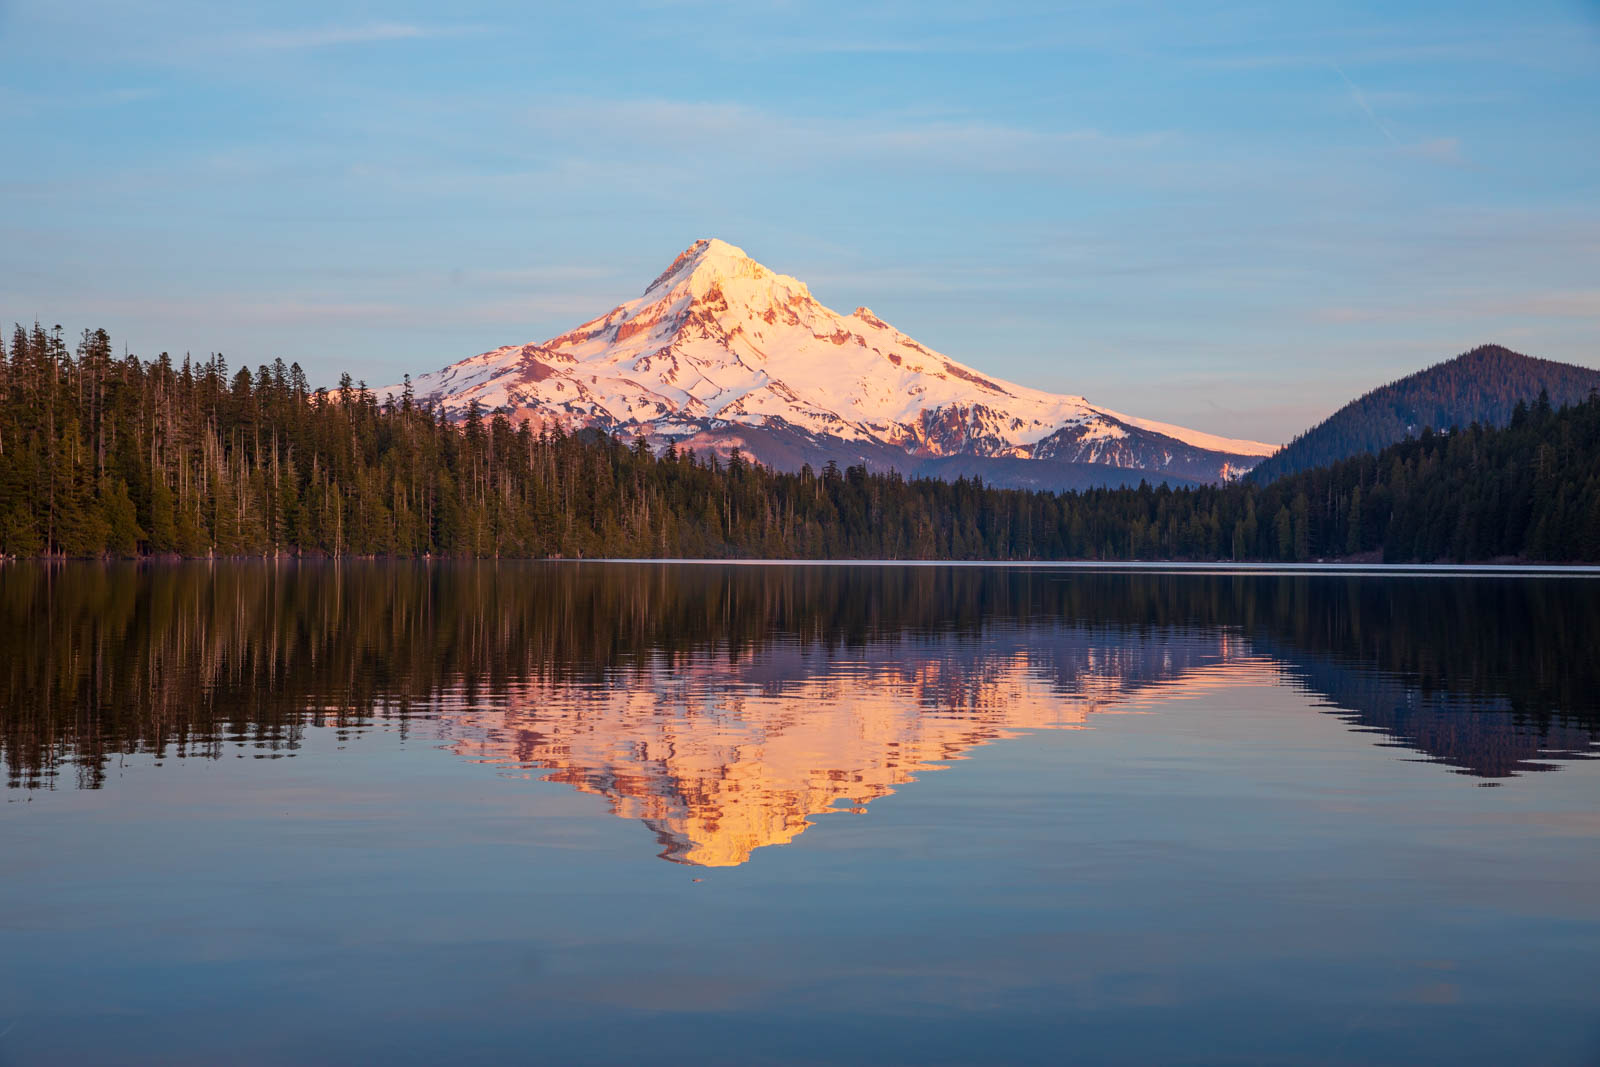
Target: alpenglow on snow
[{"x": 721, "y": 353}]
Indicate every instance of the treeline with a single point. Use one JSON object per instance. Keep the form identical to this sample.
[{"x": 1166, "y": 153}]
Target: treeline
[{"x": 109, "y": 456}]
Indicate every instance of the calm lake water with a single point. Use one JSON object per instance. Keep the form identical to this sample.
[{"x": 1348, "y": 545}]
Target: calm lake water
[{"x": 620, "y": 813}]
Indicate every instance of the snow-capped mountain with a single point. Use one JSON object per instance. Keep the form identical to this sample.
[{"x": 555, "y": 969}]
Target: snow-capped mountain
[{"x": 721, "y": 352}]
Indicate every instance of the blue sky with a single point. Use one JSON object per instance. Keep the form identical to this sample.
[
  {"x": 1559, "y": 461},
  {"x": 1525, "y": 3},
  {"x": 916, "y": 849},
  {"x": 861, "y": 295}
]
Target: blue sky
[{"x": 1235, "y": 217}]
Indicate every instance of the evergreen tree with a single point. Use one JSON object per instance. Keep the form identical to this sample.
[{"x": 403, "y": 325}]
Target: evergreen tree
[{"x": 100, "y": 456}]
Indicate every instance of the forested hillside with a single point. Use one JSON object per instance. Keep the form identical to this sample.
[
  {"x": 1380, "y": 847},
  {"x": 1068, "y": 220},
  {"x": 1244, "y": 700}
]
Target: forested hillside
[
  {"x": 1483, "y": 386},
  {"x": 102, "y": 455}
]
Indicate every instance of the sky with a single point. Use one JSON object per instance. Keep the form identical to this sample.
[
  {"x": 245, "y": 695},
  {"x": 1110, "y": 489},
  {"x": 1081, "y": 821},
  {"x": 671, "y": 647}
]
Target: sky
[{"x": 1234, "y": 217}]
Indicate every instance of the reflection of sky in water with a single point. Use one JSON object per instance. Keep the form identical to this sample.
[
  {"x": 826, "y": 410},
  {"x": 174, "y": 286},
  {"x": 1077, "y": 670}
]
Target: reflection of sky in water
[{"x": 1149, "y": 843}]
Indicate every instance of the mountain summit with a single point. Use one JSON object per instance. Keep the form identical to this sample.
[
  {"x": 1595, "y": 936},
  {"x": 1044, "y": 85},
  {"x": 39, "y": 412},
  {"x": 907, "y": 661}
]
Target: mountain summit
[
  {"x": 721, "y": 352},
  {"x": 1483, "y": 386}
]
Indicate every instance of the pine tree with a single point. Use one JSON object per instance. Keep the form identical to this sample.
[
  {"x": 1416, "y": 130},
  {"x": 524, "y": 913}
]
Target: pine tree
[
  {"x": 1352, "y": 540},
  {"x": 120, "y": 517}
]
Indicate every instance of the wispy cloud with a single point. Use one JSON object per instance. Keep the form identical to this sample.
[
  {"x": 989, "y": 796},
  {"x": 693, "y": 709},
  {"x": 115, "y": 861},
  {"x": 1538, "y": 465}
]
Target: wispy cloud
[
  {"x": 1528, "y": 43},
  {"x": 1446, "y": 150},
  {"x": 328, "y": 36},
  {"x": 1409, "y": 54},
  {"x": 1361, "y": 101},
  {"x": 19, "y": 103},
  {"x": 748, "y": 135},
  {"x": 1564, "y": 303},
  {"x": 127, "y": 95},
  {"x": 952, "y": 44},
  {"x": 253, "y": 326}
]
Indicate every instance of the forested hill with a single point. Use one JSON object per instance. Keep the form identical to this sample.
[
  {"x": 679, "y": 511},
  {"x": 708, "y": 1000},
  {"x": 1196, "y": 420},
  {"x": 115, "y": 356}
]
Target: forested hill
[
  {"x": 1482, "y": 386},
  {"x": 101, "y": 456}
]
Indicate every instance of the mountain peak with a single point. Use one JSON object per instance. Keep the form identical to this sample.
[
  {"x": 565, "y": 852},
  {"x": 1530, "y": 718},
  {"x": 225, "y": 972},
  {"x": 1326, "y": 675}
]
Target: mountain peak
[
  {"x": 720, "y": 351},
  {"x": 707, "y": 255},
  {"x": 1483, "y": 385},
  {"x": 716, "y": 248},
  {"x": 709, "y": 264}
]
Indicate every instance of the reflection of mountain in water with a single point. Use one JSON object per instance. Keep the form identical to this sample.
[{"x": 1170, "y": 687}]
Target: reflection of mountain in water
[
  {"x": 1479, "y": 736},
  {"x": 1490, "y": 676},
  {"x": 726, "y": 705},
  {"x": 721, "y": 757}
]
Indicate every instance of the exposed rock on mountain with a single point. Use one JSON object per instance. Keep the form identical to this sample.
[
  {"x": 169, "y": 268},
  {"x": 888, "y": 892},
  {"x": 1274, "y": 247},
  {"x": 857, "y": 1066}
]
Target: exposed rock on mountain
[{"x": 722, "y": 353}]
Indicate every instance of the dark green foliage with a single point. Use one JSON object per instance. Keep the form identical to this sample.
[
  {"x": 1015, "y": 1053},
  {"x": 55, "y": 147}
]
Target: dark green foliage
[
  {"x": 100, "y": 456},
  {"x": 1529, "y": 491},
  {"x": 195, "y": 659},
  {"x": 1482, "y": 386}
]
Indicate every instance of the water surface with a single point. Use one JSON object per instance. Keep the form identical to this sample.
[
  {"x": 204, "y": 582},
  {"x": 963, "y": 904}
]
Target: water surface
[{"x": 423, "y": 813}]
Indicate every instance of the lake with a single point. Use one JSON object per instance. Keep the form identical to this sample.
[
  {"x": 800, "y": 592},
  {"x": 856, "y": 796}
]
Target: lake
[{"x": 436, "y": 813}]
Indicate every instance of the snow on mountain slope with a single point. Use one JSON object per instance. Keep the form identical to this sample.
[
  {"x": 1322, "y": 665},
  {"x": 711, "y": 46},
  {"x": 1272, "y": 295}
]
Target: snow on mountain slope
[{"x": 718, "y": 343}]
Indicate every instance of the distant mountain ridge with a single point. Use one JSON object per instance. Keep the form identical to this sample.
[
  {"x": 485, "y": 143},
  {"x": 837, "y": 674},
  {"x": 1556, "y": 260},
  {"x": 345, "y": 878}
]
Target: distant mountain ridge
[
  {"x": 722, "y": 353},
  {"x": 1483, "y": 386}
]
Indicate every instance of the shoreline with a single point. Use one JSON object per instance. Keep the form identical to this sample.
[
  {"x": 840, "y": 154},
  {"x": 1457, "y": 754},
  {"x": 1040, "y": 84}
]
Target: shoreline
[{"x": 1220, "y": 567}]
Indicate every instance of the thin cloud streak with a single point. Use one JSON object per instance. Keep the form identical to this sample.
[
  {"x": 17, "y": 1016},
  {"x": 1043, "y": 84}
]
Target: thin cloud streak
[
  {"x": 1361, "y": 102},
  {"x": 327, "y": 36},
  {"x": 765, "y": 137},
  {"x": 1446, "y": 150},
  {"x": 1570, "y": 303},
  {"x": 234, "y": 310}
]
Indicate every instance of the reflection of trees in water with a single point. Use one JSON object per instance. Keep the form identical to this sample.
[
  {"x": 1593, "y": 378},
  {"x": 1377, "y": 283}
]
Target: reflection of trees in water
[
  {"x": 1491, "y": 676},
  {"x": 194, "y": 659},
  {"x": 1480, "y": 736}
]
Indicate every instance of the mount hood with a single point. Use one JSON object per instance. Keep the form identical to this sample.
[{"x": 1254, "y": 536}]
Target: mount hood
[{"x": 721, "y": 353}]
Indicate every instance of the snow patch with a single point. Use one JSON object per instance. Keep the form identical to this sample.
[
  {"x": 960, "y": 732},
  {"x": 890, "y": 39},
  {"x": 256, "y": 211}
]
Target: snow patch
[{"x": 719, "y": 336}]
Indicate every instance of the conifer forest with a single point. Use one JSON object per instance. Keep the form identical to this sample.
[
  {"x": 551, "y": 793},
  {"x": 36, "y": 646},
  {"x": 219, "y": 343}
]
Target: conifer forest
[{"x": 104, "y": 455}]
